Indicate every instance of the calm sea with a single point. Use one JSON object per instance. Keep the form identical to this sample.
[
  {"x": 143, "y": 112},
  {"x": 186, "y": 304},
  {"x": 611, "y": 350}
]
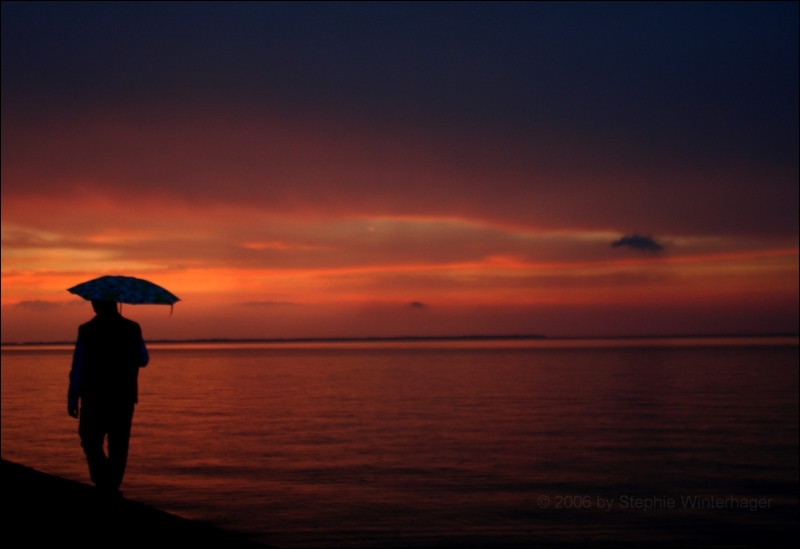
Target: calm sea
[{"x": 664, "y": 442}]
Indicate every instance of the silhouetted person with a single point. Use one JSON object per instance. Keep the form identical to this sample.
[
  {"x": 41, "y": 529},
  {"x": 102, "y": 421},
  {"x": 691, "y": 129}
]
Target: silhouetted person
[{"x": 105, "y": 369}]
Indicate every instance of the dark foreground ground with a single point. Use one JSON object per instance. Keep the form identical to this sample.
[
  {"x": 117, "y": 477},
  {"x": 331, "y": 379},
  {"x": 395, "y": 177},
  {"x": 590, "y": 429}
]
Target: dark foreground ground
[{"x": 43, "y": 509}]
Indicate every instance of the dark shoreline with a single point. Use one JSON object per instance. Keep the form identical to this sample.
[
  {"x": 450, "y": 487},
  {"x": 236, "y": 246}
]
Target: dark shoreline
[{"x": 40, "y": 508}]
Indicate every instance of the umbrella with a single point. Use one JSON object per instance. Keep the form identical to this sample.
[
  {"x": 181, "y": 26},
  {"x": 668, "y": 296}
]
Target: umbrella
[{"x": 124, "y": 289}]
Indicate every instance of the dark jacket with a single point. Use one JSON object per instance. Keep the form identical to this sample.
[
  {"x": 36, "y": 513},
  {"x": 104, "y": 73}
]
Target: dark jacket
[{"x": 108, "y": 355}]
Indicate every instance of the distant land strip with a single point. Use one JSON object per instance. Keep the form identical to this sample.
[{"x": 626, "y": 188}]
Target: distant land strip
[{"x": 427, "y": 338}]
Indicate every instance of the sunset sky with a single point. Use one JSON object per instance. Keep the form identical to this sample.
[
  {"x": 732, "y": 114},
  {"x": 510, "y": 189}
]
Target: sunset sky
[{"x": 390, "y": 169}]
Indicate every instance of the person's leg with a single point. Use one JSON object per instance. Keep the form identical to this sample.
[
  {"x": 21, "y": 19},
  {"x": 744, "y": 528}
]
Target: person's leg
[
  {"x": 92, "y": 431},
  {"x": 119, "y": 435}
]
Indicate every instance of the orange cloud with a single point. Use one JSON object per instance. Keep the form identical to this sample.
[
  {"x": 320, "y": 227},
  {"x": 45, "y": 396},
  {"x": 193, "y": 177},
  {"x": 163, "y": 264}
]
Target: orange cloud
[
  {"x": 341, "y": 219},
  {"x": 200, "y": 159}
]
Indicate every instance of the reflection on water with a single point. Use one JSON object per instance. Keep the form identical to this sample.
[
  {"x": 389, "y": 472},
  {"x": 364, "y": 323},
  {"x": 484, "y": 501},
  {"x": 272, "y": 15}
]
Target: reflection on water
[{"x": 425, "y": 443}]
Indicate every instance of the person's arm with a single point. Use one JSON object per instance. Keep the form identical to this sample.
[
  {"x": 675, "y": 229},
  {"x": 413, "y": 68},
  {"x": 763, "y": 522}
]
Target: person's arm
[
  {"x": 144, "y": 356},
  {"x": 75, "y": 378}
]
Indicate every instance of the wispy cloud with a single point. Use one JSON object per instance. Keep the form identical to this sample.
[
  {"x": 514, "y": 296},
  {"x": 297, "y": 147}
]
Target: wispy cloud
[{"x": 269, "y": 304}]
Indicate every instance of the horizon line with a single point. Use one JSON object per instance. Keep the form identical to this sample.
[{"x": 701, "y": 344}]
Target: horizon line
[{"x": 474, "y": 337}]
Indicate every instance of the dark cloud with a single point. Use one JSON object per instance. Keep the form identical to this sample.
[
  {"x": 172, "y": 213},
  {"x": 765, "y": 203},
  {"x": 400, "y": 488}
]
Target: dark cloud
[
  {"x": 38, "y": 305},
  {"x": 529, "y": 113},
  {"x": 290, "y": 169},
  {"x": 417, "y": 305},
  {"x": 638, "y": 242}
]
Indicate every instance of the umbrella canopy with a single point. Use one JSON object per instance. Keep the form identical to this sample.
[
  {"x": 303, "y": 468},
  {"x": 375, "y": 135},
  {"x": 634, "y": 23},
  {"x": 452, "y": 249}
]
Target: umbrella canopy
[{"x": 124, "y": 289}]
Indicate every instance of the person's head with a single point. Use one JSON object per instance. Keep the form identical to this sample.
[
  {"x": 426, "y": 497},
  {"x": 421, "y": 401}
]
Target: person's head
[{"x": 104, "y": 307}]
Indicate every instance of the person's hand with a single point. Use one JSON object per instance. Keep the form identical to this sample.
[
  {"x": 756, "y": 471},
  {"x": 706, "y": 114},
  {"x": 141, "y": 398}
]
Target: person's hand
[{"x": 72, "y": 410}]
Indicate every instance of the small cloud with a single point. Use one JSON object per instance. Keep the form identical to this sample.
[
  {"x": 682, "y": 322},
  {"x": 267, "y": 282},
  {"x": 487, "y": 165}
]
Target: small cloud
[
  {"x": 268, "y": 304},
  {"x": 638, "y": 242},
  {"x": 417, "y": 305},
  {"x": 38, "y": 305},
  {"x": 277, "y": 245}
]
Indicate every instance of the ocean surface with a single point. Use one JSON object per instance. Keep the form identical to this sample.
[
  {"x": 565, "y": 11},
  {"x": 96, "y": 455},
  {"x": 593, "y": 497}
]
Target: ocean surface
[{"x": 508, "y": 443}]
